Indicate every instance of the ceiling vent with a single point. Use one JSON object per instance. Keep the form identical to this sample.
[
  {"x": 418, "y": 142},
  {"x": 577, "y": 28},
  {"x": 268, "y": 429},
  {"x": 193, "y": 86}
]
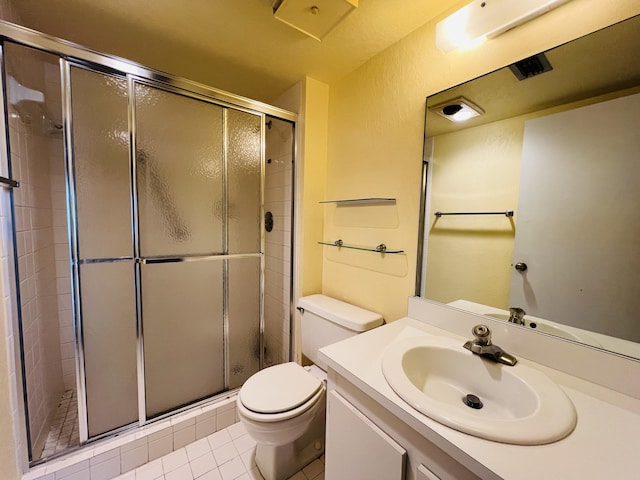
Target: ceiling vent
[
  {"x": 315, "y": 18},
  {"x": 530, "y": 67}
]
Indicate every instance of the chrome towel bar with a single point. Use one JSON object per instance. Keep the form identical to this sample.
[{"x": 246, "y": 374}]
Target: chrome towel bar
[{"x": 507, "y": 213}]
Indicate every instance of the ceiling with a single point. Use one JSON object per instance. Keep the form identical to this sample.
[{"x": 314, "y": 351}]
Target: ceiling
[{"x": 234, "y": 45}]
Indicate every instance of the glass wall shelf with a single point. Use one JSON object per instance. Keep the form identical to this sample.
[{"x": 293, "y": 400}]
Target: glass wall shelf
[
  {"x": 382, "y": 248},
  {"x": 354, "y": 201}
]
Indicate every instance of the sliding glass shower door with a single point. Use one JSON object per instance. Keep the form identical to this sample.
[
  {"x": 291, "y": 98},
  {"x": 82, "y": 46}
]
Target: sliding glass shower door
[
  {"x": 199, "y": 201},
  {"x": 166, "y": 193},
  {"x": 145, "y": 281}
]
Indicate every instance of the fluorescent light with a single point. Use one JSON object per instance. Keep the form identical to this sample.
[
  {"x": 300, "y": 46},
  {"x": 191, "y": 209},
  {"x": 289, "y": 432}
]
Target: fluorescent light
[{"x": 483, "y": 19}]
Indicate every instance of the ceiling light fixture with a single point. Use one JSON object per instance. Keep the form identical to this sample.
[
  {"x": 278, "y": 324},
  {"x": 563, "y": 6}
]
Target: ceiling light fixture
[
  {"x": 457, "y": 110},
  {"x": 483, "y": 19}
]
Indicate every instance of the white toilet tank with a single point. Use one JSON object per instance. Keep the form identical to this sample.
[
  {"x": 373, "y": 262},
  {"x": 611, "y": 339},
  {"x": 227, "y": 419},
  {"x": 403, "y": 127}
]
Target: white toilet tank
[{"x": 326, "y": 320}]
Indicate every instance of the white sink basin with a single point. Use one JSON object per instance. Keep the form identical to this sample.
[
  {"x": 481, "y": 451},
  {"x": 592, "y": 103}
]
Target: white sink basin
[{"x": 520, "y": 405}]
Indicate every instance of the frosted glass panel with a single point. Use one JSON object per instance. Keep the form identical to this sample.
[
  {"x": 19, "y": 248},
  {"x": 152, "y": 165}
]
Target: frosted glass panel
[
  {"x": 183, "y": 333},
  {"x": 245, "y": 180},
  {"x": 244, "y": 319},
  {"x": 179, "y": 159},
  {"x": 109, "y": 329},
  {"x": 101, "y": 164}
]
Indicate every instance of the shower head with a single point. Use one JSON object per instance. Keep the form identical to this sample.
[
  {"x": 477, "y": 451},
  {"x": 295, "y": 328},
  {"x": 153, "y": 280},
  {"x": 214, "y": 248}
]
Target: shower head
[
  {"x": 19, "y": 93},
  {"x": 30, "y": 106}
]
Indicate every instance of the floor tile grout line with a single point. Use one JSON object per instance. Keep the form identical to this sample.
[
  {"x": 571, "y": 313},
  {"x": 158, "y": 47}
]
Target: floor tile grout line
[{"x": 249, "y": 472}]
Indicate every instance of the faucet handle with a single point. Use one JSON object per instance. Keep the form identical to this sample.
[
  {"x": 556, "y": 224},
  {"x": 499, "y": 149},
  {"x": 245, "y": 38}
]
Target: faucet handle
[
  {"x": 482, "y": 334},
  {"x": 516, "y": 315}
]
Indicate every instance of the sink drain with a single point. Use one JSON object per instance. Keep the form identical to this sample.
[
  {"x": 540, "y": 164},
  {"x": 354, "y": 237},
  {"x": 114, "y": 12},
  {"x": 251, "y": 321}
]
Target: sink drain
[{"x": 470, "y": 400}]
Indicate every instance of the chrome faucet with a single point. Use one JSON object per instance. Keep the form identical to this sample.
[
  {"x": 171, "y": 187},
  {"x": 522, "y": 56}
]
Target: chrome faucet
[
  {"x": 516, "y": 315},
  {"x": 482, "y": 345}
]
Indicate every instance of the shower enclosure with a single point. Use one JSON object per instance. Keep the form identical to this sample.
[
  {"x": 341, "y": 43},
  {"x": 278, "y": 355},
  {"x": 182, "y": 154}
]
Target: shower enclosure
[{"x": 145, "y": 279}]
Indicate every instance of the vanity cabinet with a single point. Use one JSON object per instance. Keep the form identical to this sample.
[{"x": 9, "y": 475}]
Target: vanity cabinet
[
  {"x": 366, "y": 441},
  {"x": 357, "y": 447},
  {"x": 424, "y": 473}
]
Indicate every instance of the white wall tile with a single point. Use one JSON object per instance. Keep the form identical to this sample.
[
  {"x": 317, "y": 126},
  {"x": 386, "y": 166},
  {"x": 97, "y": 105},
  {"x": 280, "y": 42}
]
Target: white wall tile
[
  {"x": 206, "y": 427},
  {"x": 225, "y": 418},
  {"x": 161, "y": 446},
  {"x": 71, "y": 469},
  {"x": 131, "y": 459},
  {"x": 81, "y": 475},
  {"x": 184, "y": 436},
  {"x": 106, "y": 470},
  {"x": 104, "y": 456}
]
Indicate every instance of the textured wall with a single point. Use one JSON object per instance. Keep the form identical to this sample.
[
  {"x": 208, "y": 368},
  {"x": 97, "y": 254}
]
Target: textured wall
[{"x": 376, "y": 119}]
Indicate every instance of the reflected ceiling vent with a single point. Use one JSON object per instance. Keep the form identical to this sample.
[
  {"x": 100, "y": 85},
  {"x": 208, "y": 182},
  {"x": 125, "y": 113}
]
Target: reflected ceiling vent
[
  {"x": 530, "y": 67},
  {"x": 457, "y": 110},
  {"x": 315, "y": 18}
]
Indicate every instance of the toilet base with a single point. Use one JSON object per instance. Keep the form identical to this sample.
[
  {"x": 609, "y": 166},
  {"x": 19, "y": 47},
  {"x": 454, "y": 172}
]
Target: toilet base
[{"x": 283, "y": 461}]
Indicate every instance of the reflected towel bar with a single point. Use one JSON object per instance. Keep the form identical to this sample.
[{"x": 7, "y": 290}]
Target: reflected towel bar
[{"x": 507, "y": 213}]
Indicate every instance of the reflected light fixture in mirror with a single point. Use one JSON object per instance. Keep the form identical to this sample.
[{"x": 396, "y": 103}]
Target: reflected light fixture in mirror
[
  {"x": 482, "y": 19},
  {"x": 457, "y": 110}
]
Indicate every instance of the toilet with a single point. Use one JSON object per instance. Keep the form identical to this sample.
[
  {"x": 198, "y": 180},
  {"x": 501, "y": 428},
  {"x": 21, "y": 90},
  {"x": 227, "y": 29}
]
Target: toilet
[{"x": 283, "y": 407}]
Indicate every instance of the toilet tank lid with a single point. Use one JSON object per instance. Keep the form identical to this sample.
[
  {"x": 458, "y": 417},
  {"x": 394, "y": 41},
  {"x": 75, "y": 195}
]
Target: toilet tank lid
[{"x": 344, "y": 314}]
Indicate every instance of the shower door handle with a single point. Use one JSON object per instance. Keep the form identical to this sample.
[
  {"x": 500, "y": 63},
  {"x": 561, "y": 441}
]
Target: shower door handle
[
  {"x": 8, "y": 182},
  {"x": 268, "y": 221}
]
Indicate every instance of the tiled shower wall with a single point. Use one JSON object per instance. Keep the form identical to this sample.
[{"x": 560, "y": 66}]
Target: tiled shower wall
[
  {"x": 37, "y": 157},
  {"x": 278, "y": 194}
]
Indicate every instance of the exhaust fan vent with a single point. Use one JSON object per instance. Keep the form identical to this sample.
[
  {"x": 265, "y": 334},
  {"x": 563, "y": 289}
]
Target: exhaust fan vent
[
  {"x": 315, "y": 18},
  {"x": 530, "y": 67}
]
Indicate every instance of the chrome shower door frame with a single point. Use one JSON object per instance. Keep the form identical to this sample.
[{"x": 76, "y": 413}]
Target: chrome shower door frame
[{"x": 77, "y": 56}]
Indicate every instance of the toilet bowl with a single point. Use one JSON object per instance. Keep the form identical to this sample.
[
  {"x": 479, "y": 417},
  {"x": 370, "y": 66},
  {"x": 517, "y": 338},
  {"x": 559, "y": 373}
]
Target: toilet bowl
[
  {"x": 283, "y": 407},
  {"x": 289, "y": 432}
]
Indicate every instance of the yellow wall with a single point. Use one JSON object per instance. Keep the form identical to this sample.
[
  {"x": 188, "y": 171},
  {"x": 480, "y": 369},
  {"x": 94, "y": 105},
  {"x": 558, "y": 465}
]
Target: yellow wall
[
  {"x": 376, "y": 119},
  {"x": 474, "y": 169},
  {"x": 479, "y": 167},
  {"x": 311, "y": 160},
  {"x": 313, "y": 147}
]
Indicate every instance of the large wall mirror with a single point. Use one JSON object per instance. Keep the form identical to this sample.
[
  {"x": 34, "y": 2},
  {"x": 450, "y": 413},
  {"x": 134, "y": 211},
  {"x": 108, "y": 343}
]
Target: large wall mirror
[{"x": 533, "y": 200}]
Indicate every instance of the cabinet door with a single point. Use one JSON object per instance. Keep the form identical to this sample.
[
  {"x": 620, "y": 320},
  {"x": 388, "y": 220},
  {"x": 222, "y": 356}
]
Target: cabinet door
[
  {"x": 356, "y": 448},
  {"x": 424, "y": 473}
]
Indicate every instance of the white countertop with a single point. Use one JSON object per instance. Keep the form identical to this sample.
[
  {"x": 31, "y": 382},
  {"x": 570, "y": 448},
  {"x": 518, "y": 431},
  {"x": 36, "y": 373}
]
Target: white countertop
[{"x": 604, "y": 443}]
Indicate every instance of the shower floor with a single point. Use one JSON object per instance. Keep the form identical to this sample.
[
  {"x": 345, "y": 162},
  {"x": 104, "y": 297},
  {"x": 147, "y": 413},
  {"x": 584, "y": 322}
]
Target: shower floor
[{"x": 63, "y": 432}]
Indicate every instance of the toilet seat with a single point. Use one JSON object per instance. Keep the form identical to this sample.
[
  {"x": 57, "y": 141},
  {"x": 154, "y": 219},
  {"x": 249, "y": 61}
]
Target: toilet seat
[{"x": 279, "y": 393}]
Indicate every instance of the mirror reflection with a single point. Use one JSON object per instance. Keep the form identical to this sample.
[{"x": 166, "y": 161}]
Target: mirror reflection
[{"x": 554, "y": 140}]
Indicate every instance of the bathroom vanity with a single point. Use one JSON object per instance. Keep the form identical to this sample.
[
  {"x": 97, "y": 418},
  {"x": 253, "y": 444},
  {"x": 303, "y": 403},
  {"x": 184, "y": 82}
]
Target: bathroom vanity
[{"x": 373, "y": 433}]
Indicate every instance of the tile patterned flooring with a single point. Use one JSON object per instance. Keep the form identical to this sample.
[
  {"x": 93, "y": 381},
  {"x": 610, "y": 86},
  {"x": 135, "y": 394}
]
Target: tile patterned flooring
[
  {"x": 225, "y": 455},
  {"x": 63, "y": 432}
]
